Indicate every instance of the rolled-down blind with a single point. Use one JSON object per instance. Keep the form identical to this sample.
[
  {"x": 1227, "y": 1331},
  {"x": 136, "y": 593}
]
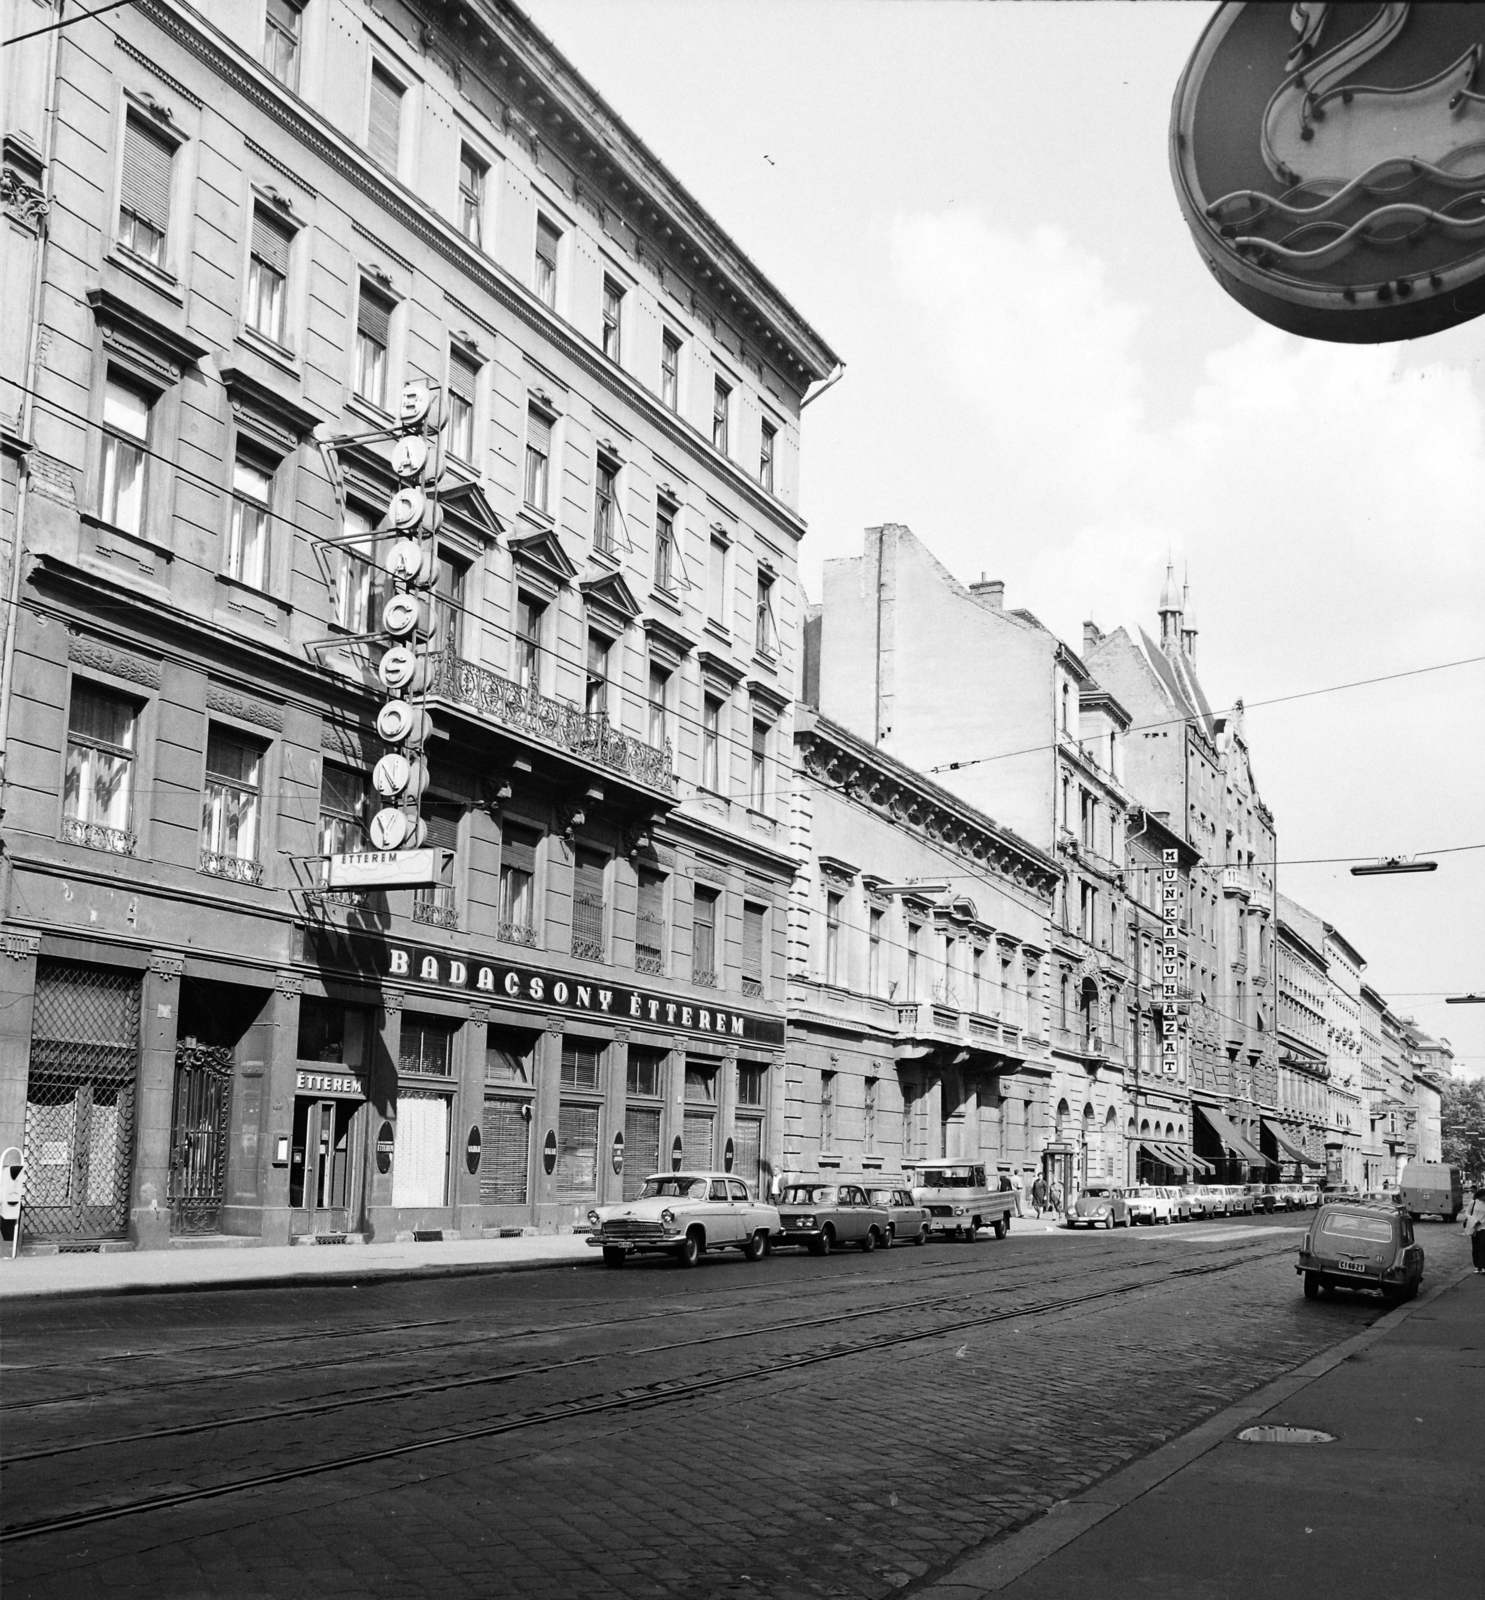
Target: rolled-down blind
[
  {"x": 747, "y": 1151},
  {"x": 384, "y": 118},
  {"x": 641, "y": 1149},
  {"x": 374, "y": 318},
  {"x": 270, "y": 242},
  {"x": 518, "y": 849},
  {"x": 420, "y": 1149},
  {"x": 752, "y": 962},
  {"x": 462, "y": 377},
  {"x": 507, "y": 1143},
  {"x": 696, "y": 1140},
  {"x": 147, "y": 159},
  {"x": 539, "y": 434}
]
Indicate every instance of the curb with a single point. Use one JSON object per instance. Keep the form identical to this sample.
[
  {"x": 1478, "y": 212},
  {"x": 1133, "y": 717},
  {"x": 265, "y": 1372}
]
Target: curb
[
  {"x": 296, "y": 1280},
  {"x": 1012, "y": 1555}
]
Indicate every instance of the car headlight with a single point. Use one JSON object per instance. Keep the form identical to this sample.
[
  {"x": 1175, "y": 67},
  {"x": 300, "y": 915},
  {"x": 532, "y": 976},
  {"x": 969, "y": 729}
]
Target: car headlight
[
  {"x": 1102, "y": 1211},
  {"x": 958, "y": 1211},
  {"x": 594, "y": 1219},
  {"x": 668, "y": 1218},
  {"x": 806, "y": 1222}
]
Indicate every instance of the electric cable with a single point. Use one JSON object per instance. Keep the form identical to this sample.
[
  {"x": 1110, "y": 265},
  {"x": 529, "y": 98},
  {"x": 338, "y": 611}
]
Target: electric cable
[{"x": 67, "y": 22}]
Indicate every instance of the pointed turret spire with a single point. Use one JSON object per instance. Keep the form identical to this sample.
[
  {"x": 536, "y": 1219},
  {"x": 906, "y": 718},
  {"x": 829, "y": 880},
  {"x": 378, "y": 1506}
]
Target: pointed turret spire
[
  {"x": 1188, "y": 619},
  {"x": 1170, "y": 609}
]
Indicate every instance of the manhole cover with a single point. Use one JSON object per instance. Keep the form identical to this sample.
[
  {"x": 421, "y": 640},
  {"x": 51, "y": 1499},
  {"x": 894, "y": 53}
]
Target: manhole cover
[{"x": 1270, "y": 1433}]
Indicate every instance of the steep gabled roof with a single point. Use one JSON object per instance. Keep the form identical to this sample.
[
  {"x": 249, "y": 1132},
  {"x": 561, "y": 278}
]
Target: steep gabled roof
[{"x": 1180, "y": 682}]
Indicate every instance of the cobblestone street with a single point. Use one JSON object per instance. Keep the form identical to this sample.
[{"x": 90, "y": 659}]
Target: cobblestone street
[{"x": 794, "y": 1428}]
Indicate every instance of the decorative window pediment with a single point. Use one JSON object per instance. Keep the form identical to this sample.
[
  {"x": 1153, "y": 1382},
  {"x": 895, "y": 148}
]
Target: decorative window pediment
[
  {"x": 265, "y": 410},
  {"x": 543, "y": 551},
  {"x": 608, "y": 592},
  {"x": 767, "y": 698},
  {"x": 157, "y": 349},
  {"x": 667, "y": 642},
  {"x": 719, "y": 671},
  {"x": 470, "y": 506}
]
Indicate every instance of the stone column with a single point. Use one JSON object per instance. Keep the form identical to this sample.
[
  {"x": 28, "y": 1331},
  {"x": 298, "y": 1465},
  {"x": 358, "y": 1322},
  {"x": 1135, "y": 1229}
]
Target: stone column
[
  {"x": 616, "y": 1090},
  {"x": 547, "y": 1071},
  {"x": 469, "y": 1103},
  {"x": 149, "y": 1198},
  {"x": 18, "y": 953}
]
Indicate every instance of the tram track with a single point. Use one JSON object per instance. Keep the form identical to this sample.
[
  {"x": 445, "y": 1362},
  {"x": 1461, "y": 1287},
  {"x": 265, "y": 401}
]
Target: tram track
[
  {"x": 664, "y": 1392},
  {"x": 131, "y": 1391}
]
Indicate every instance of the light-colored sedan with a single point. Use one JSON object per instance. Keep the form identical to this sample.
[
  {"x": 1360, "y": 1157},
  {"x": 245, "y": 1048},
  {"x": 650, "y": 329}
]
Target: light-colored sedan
[
  {"x": 684, "y": 1214},
  {"x": 907, "y": 1221},
  {"x": 821, "y": 1214},
  {"x": 1181, "y": 1208},
  {"x": 1149, "y": 1203},
  {"x": 1199, "y": 1199}
]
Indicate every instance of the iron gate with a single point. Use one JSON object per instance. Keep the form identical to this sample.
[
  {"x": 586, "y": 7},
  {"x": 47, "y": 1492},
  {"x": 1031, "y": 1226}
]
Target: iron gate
[
  {"x": 198, "y": 1136},
  {"x": 80, "y": 1100}
]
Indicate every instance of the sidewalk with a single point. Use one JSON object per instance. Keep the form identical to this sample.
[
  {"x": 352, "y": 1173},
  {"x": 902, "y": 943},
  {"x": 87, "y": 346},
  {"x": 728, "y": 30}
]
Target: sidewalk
[{"x": 1390, "y": 1508}]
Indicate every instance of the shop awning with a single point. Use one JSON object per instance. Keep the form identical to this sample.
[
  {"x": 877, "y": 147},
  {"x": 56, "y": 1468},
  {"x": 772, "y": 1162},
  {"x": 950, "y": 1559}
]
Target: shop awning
[
  {"x": 1155, "y": 1152},
  {"x": 1232, "y": 1138},
  {"x": 1204, "y": 1168},
  {"x": 1293, "y": 1151},
  {"x": 1175, "y": 1157}
]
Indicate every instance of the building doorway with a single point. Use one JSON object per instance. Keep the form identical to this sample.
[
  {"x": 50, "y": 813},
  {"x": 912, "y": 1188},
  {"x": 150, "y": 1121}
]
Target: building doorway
[
  {"x": 324, "y": 1166},
  {"x": 200, "y": 1112}
]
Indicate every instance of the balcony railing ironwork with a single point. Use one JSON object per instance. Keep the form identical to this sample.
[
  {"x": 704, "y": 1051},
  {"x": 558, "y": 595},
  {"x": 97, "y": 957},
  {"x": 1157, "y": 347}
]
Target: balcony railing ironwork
[
  {"x": 237, "y": 868},
  {"x": 554, "y": 722},
  {"x": 752, "y": 988},
  {"x": 587, "y": 927},
  {"x": 649, "y": 944},
  {"x": 95, "y": 836},
  {"x": 704, "y": 977},
  {"x": 516, "y": 933},
  {"x": 435, "y": 906}
]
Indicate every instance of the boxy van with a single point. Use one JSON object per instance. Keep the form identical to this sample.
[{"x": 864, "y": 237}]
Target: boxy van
[{"x": 1429, "y": 1188}]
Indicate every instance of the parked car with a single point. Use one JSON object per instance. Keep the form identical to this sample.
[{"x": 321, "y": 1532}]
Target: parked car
[
  {"x": 1181, "y": 1204},
  {"x": 1215, "y": 1199},
  {"x": 1268, "y": 1197},
  {"x": 684, "y": 1214},
  {"x": 958, "y": 1200},
  {"x": 1429, "y": 1188},
  {"x": 1149, "y": 1203},
  {"x": 906, "y": 1219},
  {"x": 1293, "y": 1196},
  {"x": 1198, "y": 1200},
  {"x": 1338, "y": 1193},
  {"x": 1311, "y": 1192},
  {"x": 1240, "y": 1199},
  {"x": 1100, "y": 1205},
  {"x": 1349, "y": 1246},
  {"x": 821, "y": 1213}
]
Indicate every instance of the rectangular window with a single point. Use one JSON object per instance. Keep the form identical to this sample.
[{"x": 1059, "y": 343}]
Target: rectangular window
[
  {"x": 577, "y": 1149},
  {"x": 765, "y": 457},
  {"x": 268, "y": 276},
  {"x": 832, "y": 938},
  {"x": 435, "y": 903},
  {"x": 1007, "y": 994},
  {"x": 659, "y": 706},
  {"x": 595, "y": 696},
  {"x": 448, "y": 604},
  {"x": 649, "y": 927},
  {"x": 716, "y": 582},
  {"x": 548, "y": 239},
  {"x": 644, "y": 1074},
  {"x": 281, "y": 41},
  {"x": 758, "y": 768},
  {"x": 765, "y": 628},
  {"x": 613, "y": 315},
  {"x": 506, "y": 1155},
  {"x": 464, "y": 376},
  {"x": 670, "y": 371},
  {"x": 701, "y": 1084},
  {"x": 711, "y": 739},
  {"x": 126, "y": 424},
  {"x": 420, "y": 1149},
  {"x": 874, "y": 951},
  {"x": 750, "y": 1084},
  {"x": 581, "y": 1059},
  {"x": 472, "y": 173},
  {"x": 517, "y": 924},
  {"x": 247, "y": 534},
  {"x": 704, "y": 937},
  {"x": 641, "y": 1148},
  {"x": 665, "y": 548},
  {"x": 384, "y": 118},
  {"x": 977, "y": 975},
  {"x": 909, "y": 1118},
  {"x": 329, "y": 1031},
  {"x": 229, "y": 809},
  {"x": 353, "y": 567},
  {"x": 144, "y": 198},
  {"x": 538, "y": 459},
  {"x": 508, "y": 1056},
  {"x": 343, "y": 809},
  {"x": 529, "y": 614},
  {"x": 1089, "y": 810},
  {"x": 721, "y": 401},
  {"x": 827, "y": 1111},
  {"x": 1087, "y": 910},
  {"x": 97, "y": 787},
  {"x": 373, "y": 335},
  {"x": 752, "y": 951},
  {"x": 605, "y": 505},
  {"x": 869, "y": 1116},
  {"x": 587, "y": 906},
  {"x": 914, "y": 934}
]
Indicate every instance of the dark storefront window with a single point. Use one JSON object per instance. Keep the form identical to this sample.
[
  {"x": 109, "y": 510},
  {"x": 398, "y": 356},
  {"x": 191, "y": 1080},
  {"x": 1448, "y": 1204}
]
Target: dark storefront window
[
  {"x": 427, "y": 1044},
  {"x": 581, "y": 1059},
  {"x": 329, "y": 1031}
]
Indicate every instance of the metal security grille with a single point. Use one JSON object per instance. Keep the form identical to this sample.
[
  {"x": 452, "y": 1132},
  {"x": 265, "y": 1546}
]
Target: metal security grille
[
  {"x": 80, "y": 1099},
  {"x": 198, "y": 1136},
  {"x": 747, "y": 1143},
  {"x": 507, "y": 1153},
  {"x": 641, "y": 1148},
  {"x": 697, "y": 1141}
]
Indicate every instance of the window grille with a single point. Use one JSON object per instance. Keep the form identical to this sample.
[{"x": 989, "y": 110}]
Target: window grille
[{"x": 587, "y": 906}]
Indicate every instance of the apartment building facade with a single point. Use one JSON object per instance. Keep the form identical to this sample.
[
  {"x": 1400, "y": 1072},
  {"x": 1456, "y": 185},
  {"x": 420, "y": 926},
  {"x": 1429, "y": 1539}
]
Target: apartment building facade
[{"x": 263, "y": 220}]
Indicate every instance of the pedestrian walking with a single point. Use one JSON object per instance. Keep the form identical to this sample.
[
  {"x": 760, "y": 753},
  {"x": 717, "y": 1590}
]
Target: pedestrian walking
[
  {"x": 1039, "y": 1195},
  {"x": 1018, "y": 1183},
  {"x": 1056, "y": 1195},
  {"x": 1473, "y": 1223}
]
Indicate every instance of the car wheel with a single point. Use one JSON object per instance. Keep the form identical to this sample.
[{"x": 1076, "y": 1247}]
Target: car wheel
[
  {"x": 688, "y": 1251},
  {"x": 1312, "y": 1285},
  {"x": 869, "y": 1242},
  {"x": 1108, "y": 1223},
  {"x": 890, "y": 1236},
  {"x": 922, "y": 1237},
  {"x": 1166, "y": 1220},
  {"x": 756, "y": 1247},
  {"x": 821, "y": 1246},
  {"x": 1392, "y": 1298},
  {"x": 1002, "y": 1227},
  {"x": 613, "y": 1255}
]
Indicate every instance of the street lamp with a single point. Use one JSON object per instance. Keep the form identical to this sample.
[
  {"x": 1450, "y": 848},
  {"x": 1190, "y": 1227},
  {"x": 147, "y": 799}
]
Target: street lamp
[
  {"x": 1392, "y": 864},
  {"x": 1464, "y": 999}
]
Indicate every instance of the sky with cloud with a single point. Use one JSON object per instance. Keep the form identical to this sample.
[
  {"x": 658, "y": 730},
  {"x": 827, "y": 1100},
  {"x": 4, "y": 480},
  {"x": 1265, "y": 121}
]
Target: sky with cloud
[{"x": 973, "y": 204}]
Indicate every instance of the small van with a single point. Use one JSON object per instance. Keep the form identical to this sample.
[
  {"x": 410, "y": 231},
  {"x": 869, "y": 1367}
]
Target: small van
[{"x": 1429, "y": 1188}]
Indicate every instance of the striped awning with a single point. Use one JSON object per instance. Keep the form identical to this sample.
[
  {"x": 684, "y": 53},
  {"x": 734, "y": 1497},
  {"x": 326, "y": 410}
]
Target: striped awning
[
  {"x": 1230, "y": 1137},
  {"x": 1293, "y": 1151}
]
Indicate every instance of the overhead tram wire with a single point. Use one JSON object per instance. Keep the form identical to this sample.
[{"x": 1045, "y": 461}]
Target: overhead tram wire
[{"x": 67, "y": 22}]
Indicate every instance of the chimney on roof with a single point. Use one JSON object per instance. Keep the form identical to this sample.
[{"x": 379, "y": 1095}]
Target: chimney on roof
[
  {"x": 1092, "y": 636},
  {"x": 990, "y": 592}
]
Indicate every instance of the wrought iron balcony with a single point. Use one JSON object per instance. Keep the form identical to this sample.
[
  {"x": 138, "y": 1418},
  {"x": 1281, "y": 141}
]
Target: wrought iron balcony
[
  {"x": 239, "y": 869},
  {"x": 704, "y": 977},
  {"x": 649, "y": 944},
  {"x": 554, "y": 722},
  {"x": 587, "y": 927},
  {"x": 95, "y": 836},
  {"x": 516, "y": 933},
  {"x": 752, "y": 988},
  {"x": 435, "y": 906}
]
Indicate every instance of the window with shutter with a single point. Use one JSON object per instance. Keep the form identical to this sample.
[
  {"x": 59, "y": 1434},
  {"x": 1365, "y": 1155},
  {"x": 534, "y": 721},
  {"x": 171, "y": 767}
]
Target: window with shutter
[
  {"x": 506, "y": 1153},
  {"x": 435, "y": 903},
  {"x": 517, "y": 880},
  {"x": 268, "y": 272},
  {"x": 373, "y": 335},
  {"x": 587, "y": 906},
  {"x": 144, "y": 195},
  {"x": 704, "y": 938},
  {"x": 463, "y": 376},
  {"x": 577, "y": 1149},
  {"x": 747, "y": 1151},
  {"x": 420, "y": 1150},
  {"x": 752, "y": 955},
  {"x": 384, "y": 118},
  {"x": 581, "y": 1060},
  {"x": 641, "y": 1148},
  {"x": 538, "y": 459},
  {"x": 697, "y": 1140}
]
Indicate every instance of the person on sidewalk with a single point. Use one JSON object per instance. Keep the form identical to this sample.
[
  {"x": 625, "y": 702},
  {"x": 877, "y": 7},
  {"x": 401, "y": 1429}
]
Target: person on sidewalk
[
  {"x": 1018, "y": 1184},
  {"x": 1056, "y": 1196},
  {"x": 1039, "y": 1195},
  {"x": 1473, "y": 1223}
]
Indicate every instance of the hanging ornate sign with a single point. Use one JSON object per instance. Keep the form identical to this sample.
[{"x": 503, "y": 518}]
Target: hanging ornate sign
[{"x": 1330, "y": 162}]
